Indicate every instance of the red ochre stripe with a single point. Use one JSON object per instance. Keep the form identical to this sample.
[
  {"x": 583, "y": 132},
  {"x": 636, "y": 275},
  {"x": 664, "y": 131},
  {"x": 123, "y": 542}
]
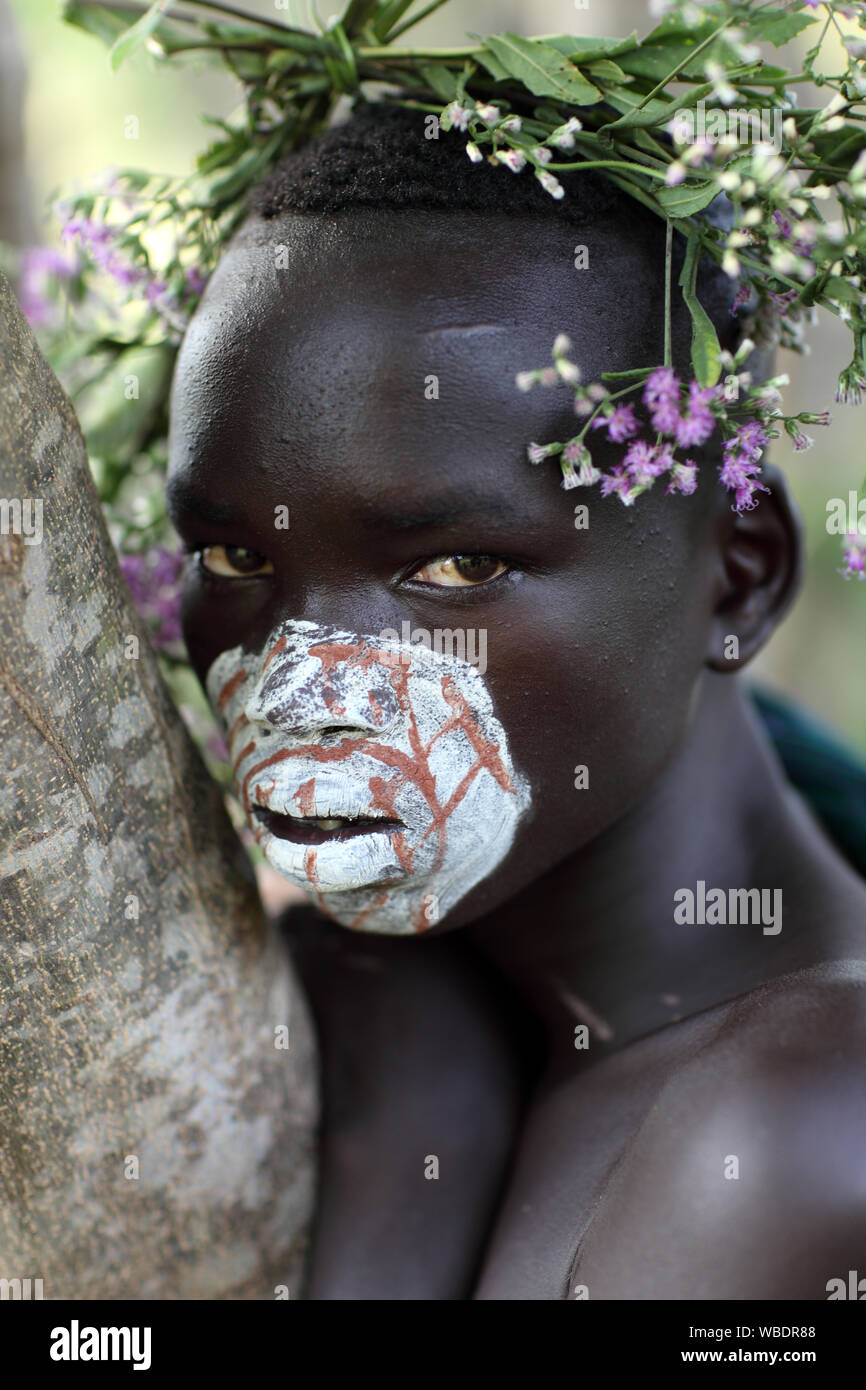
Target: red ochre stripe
[{"x": 230, "y": 687}]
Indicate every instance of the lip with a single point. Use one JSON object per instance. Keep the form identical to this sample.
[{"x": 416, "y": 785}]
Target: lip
[{"x": 301, "y": 831}]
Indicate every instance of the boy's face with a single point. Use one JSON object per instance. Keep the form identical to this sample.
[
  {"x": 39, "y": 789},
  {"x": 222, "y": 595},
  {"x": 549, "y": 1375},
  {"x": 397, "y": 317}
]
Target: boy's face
[{"x": 345, "y": 426}]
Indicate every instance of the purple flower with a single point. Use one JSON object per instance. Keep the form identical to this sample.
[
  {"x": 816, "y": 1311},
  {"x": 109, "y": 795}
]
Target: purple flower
[
  {"x": 748, "y": 439},
  {"x": 684, "y": 478},
  {"x": 618, "y": 482},
  {"x": 854, "y": 556},
  {"x": 781, "y": 300},
  {"x": 661, "y": 395},
  {"x": 738, "y": 474},
  {"x": 741, "y": 454},
  {"x": 643, "y": 462},
  {"x": 666, "y": 417},
  {"x": 743, "y": 296},
  {"x": 38, "y": 265},
  {"x": 621, "y": 424},
  {"x": 696, "y": 426},
  {"x": 153, "y": 581},
  {"x": 783, "y": 223},
  {"x": 195, "y": 281},
  {"x": 662, "y": 385}
]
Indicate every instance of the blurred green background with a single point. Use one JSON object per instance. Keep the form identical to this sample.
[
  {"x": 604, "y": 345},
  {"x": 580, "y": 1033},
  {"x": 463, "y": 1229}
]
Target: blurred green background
[{"x": 74, "y": 109}]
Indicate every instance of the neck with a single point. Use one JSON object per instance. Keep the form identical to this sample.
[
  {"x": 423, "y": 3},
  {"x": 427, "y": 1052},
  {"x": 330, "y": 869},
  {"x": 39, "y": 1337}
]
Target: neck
[{"x": 595, "y": 941}]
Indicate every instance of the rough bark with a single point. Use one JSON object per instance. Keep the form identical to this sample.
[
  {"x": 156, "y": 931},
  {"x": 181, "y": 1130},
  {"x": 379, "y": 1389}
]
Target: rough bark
[{"x": 141, "y": 989}]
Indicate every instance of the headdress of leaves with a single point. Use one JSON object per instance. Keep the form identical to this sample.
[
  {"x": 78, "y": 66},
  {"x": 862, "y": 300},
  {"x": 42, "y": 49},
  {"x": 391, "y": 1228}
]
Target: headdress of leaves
[{"x": 628, "y": 107}]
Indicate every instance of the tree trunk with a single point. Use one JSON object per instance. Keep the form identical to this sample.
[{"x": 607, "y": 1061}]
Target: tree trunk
[{"x": 156, "y": 1135}]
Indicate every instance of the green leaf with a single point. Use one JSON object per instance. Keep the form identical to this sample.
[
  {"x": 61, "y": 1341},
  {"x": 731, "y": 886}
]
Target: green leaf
[
  {"x": 543, "y": 69},
  {"x": 587, "y": 49},
  {"x": 655, "y": 61},
  {"x": 439, "y": 79},
  {"x": 138, "y": 35},
  {"x": 114, "y": 426},
  {"x": 606, "y": 71},
  {"x": 778, "y": 26},
  {"x": 283, "y": 59},
  {"x": 706, "y": 353},
  {"x": 358, "y": 13},
  {"x": 655, "y": 112},
  {"x": 101, "y": 23},
  {"x": 838, "y": 288},
  {"x": 686, "y": 199},
  {"x": 492, "y": 64}
]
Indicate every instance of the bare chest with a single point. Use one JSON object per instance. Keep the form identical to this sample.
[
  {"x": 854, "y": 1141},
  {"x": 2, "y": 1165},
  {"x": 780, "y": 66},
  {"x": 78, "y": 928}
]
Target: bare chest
[{"x": 574, "y": 1135}]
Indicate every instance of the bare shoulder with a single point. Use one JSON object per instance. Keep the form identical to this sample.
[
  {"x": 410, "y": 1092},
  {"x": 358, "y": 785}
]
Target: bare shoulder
[{"x": 747, "y": 1179}]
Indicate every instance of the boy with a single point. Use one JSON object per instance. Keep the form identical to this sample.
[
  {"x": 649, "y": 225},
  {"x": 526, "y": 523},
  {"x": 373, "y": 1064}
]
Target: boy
[{"x": 601, "y": 1064}]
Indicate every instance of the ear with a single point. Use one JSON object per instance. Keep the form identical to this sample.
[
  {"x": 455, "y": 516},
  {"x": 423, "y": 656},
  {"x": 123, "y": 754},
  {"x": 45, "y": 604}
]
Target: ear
[{"x": 760, "y": 558}]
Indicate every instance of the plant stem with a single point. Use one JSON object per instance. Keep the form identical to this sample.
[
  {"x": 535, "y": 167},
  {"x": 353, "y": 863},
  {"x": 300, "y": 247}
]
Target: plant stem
[
  {"x": 610, "y": 164},
  {"x": 669, "y": 247}
]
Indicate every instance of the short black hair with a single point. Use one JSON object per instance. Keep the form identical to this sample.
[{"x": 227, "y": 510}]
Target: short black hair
[{"x": 379, "y": 158}]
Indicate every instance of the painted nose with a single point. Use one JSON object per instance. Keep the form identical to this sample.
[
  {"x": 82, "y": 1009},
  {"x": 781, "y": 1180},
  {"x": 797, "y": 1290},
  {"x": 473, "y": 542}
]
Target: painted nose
[{"x": 340, "y": 693}]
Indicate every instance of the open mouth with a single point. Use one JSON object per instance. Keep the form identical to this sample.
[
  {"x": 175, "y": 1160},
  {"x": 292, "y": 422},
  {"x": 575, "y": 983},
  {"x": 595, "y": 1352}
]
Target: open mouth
[{"x": 315, "y": 830}]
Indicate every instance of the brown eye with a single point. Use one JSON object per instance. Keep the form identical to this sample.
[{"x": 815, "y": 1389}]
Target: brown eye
[
  {"x": 460, "y": 571},
  {"x": 234, "y": 562}
]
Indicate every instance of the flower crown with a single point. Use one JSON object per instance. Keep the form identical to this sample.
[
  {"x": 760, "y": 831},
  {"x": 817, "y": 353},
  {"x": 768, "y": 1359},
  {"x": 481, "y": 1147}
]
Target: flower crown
[{"x": 691, "y": 111}]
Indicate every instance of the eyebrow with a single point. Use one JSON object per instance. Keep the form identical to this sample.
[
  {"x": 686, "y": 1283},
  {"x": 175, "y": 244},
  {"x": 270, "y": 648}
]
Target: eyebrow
[
  {"x": 184, "y": 499},
  {"x": 444, "y": 511}
]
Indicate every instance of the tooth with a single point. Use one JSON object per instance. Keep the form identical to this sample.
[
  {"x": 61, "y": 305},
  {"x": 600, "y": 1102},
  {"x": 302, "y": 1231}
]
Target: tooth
[{"x": 327, "y": 824}]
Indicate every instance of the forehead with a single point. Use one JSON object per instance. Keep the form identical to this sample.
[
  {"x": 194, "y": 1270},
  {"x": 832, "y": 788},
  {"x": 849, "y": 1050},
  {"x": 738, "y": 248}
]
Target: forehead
[{"x": 376, "y": 339}]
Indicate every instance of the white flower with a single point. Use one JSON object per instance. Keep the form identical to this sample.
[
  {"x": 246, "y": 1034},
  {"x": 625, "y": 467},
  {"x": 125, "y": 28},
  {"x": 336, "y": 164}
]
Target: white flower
[
  {"x": 698, "y": 152},
  {"x": 561, "y": 344},
  {"x": 858, "y": 168},
  {"x": 514, "y": 159},
  {"x": 746, "y": 346},
  {"x": 721, "y": 86},
  {"x": 766, "y": 164},
  {"x": 456, "y": 115},
  {"x": 488, "y": 114},
  {"x": 836, "y": 102},
  {"x": 513, "y": 124},
  {"x": 569, "y": 371},
  {"x": 563, "y": 136},
  {"x": 541, "y": 154},
  {"x": 675, "y": 174},
  {"x": 524, "y": 381},
  {"x": 473, "y": 152},
  {"x": 681, "y": 127},
  {"x": 550, "y": 184},
  {"x": 537, "y": 453},
  {"x": 730, "y": 264},
  {"x": 729, "y": 180}
]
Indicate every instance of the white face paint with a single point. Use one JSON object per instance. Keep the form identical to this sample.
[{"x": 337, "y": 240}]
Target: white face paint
[{"x": 329, "y": 724}]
